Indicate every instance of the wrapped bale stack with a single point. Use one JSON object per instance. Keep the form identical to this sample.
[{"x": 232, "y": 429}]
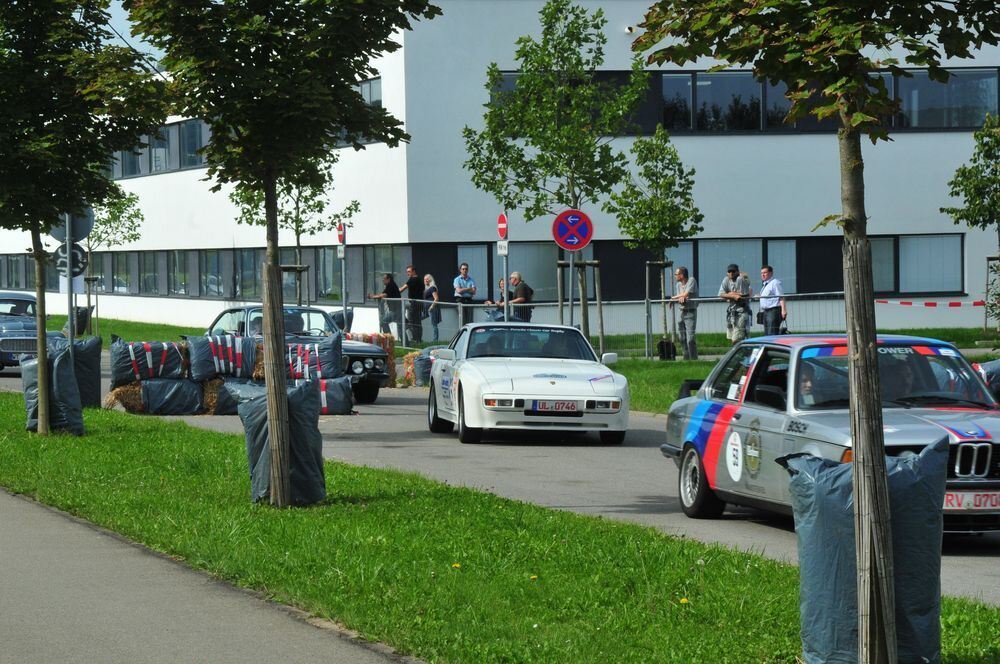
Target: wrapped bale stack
[{"x": 151, "y": 377}]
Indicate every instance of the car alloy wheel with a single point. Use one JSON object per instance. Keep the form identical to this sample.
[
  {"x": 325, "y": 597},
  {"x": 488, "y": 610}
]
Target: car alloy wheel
[
  {"x": 434, "y": 423},
  {"x": 466, "y": 434},
  {"x": 697, "y": 499}
]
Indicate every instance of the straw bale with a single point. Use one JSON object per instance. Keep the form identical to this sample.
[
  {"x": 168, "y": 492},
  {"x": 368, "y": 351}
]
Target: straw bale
[
  {"x": 128, "y": 397},
  {"x": 210, "y": 395}
]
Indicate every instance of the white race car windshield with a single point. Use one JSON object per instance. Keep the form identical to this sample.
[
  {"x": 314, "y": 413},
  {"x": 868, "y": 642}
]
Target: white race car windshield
[
  {"x": 508, "y": 341},
  {"x": 910, "y": 376}
]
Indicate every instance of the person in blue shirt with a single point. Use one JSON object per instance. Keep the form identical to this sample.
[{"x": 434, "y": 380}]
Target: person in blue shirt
[
  {"x": 465, "y": 290},
  {"x": 772, "y": 301}
]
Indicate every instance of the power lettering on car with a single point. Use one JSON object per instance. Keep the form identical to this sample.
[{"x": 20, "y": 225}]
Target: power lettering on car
[{"x": 707, "y": 431}]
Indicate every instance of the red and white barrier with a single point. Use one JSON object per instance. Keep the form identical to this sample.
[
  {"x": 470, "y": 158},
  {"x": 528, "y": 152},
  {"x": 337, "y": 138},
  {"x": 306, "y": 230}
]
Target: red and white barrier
[{"x": 944, "y": 305}]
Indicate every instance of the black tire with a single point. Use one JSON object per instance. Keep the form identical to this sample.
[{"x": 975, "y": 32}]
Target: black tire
[
  {"x": 697, "y": 499},
  {"x": 365, "y": 392},
  {"x": 613, "y": 437},
  {"x": 466, "y": 434},
  {"x": 435, "y": 423}
]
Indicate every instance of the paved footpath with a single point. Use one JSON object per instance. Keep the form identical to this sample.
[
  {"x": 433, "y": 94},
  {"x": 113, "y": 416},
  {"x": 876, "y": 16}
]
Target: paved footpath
[{"x": 72, "y": 592}]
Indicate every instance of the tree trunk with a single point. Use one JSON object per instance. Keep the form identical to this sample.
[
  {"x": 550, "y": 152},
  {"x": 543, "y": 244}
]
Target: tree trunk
[
  {"x": 876, "y": 603},
  {"x": 41, "y": 346},
  {"x": 298, "y": 274},
  {"x": 274, "y": 353}
]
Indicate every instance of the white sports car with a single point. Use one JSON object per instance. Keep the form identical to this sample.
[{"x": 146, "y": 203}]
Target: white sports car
[{"x": 528, "y": 377}]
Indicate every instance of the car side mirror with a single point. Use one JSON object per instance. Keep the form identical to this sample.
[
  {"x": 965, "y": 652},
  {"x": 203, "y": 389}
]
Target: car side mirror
[
  {"x": 770, "y": 395},
  {"x": 609, "y": 358},
  {"x": 444, "y": 354}
]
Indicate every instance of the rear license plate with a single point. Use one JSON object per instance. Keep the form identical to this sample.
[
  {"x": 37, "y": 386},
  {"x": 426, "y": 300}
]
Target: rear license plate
[
  {"x": 972, "y": 500},
  {"x": 555, "y": 406}
]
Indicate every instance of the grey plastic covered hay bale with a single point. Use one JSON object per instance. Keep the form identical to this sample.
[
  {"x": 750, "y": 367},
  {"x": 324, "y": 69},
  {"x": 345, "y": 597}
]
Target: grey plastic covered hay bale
[
  {"x": 86, "y": 366},
  {"x": 824, "y": 524},
  {"x": 305, "y": 463},
  {"x": 167, "y": 396},
  {"x": 221, "y": 355},
  {"x": 336, "y": 396},
  {"x": 65, "y": 410},
  {"x": 144, "y": 360}
]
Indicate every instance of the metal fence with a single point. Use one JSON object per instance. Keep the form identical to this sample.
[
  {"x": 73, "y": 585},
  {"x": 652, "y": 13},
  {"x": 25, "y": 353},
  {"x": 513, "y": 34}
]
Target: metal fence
[{"x": 629, "y": 328}]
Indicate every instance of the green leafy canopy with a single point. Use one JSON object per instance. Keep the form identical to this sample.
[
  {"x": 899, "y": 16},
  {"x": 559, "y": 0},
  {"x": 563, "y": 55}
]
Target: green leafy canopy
[
  {"x": 977, "y": 183},
  {"x": 276, "y": 79},
  {"x": 826, "y": 51},
  {"x": 657, "y": 209},
  {"x": 546, "y": 143}
]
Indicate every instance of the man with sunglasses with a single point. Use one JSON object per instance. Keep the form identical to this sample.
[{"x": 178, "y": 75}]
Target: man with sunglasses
[{"x": 735, "y": 288}]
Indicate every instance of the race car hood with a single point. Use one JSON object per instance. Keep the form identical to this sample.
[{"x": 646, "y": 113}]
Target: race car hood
[
  {"x": 911, "y": 426},
  {"x": 556, "y": 377}
]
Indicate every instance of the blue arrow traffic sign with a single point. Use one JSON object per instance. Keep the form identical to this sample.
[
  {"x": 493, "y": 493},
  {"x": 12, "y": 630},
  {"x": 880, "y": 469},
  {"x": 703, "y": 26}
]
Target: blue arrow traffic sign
[{"x": 572, "y": 230}]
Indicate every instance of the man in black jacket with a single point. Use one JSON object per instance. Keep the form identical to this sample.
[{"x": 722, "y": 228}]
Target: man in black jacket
[
  {"x": 414, "y": 288},
  {"x": 388, "y": 308}
]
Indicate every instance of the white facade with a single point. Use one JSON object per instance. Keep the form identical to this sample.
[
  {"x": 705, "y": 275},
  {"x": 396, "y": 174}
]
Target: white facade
[{"x": 765, "y": 185}]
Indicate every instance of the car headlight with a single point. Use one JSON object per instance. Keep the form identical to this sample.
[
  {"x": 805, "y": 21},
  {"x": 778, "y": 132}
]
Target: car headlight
[
  {"x": 380, "y": 364},
  {"x": 369, "y": 363},
  {"x": 357, "y": 367}
]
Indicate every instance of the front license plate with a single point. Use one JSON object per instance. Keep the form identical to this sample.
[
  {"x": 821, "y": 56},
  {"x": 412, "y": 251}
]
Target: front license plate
[
  {"x": 972, "y": 500},
  {"x": 555, "y": 406}
]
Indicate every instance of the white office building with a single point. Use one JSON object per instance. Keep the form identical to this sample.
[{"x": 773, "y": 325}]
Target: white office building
[{"x": 761, "y": 184}]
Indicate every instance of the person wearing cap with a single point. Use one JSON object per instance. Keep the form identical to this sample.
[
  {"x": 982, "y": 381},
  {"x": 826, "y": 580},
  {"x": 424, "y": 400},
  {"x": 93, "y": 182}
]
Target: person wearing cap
[{"x": 735, "y": 289}]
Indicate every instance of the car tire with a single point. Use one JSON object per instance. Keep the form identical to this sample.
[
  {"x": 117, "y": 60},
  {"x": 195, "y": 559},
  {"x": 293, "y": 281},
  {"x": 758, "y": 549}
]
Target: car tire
[
  {"x": 366, "y": 392},
  {"x": 697, "y": 499},
  {"x": 613, "y": 437},
  {"x": 466, "y": 434},
  {"x": 435, "y": 423}
]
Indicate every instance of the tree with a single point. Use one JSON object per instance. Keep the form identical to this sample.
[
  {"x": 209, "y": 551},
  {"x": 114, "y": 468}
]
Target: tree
[
  {"x": 656, "y": 209},
  {"x": 70, "y": 98},
  {"x": 276, "y": 81},
  {"x": 546, "y": 143},
  {"x": 302, "y": 204},
  {"x": 978, "y": 183},
  {"x": 116, "y": 222},
  {"x": 827, "y": 52}
]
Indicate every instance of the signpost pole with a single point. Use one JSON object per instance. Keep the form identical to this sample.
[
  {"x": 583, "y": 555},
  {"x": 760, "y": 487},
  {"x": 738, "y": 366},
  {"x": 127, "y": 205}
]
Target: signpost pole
[
  {"x": 506, "y": 304},
  {"x": 342, "y": 233},
  {"x": 572, "y": 274},
  {"x": 71, "y": 314},
  {"x": 502, "y": 232}
]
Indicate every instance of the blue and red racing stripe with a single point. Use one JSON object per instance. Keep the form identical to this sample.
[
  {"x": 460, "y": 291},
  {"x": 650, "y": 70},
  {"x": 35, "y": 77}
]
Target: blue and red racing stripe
[{"x": 707, "y": 432}]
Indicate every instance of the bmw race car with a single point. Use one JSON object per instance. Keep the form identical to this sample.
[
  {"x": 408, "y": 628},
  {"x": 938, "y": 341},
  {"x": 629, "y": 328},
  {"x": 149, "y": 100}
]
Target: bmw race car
[
  {"x": 774, "y": 396},
  {"x": 520, "y": 376}
]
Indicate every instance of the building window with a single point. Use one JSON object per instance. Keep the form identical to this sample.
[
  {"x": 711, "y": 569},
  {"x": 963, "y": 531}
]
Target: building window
[
  {"x": 676, "y": 90},
  {"x": 15, "y": 267},
  {"x": 160, "y": 150},
  {"x": 119, "y": 271},
  {"x": 328, "y": 274},
  {"x": 727, "y": 101},
  {"x": 177, "y": 272},
  {"x": 29, "y": 272},
  {"x": 194, "y": 136},
  {"x": 781, "y": 257},
  {"x": 130, "y": 163},
  {"x": 380, "y": 259},
  {"x": 962, "y": 102},
  {"x": 778, "y": 106},
  {"x": 248, "y": 262},
  {"x": 210, "y": 271},
  {"x": 930, "y": 263},
  {"x": 884, "y": 264},
  {"x": 371, "y": 92},
  {"x": 715, "y": 255},
  {"x": 148, "y": 277},
  {"x": 51, "y": 275}
]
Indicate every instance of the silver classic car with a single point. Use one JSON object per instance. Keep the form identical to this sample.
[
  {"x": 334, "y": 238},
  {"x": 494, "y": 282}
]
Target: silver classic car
[{"x": 773, "y": 396}]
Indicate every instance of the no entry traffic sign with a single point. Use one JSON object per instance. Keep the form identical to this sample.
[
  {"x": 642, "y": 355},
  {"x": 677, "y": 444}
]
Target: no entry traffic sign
[
  {"x": 502, "y": 226},
  {"x": 572, "y": 230},
  {"x": 341, "y": 233}
]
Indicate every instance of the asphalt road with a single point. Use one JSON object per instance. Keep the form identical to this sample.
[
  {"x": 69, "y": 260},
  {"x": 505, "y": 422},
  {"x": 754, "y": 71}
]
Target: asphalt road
[{"x": 630, "y": 482}]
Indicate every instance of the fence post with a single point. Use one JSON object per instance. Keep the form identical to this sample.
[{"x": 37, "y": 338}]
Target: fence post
[
  {"x": 402, "y": 322},
  {"x": 600, "y": 308},
  {"x": 461, "y": 315},
  {"x": 649, "y": 322},
  {"x": 581, "y": 279}
]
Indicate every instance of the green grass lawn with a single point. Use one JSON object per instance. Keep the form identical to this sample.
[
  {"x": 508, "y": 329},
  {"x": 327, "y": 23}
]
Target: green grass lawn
[
  {"x": 654, "y": 384},
  {"x": 444, "y": 573},
  {"x": 131, "y": 330}
]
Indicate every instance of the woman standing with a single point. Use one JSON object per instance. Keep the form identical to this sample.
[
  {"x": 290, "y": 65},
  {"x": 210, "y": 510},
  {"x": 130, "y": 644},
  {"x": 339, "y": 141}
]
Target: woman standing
[{"x": 432, "y": 309}]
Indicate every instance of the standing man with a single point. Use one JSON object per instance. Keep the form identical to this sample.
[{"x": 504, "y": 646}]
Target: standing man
[
  {"x": 772, "y": 301},
  {"x": 390, "y": 292},
  {"x": 465, "y": 289},
  {"x": 522, "y": 295},
  {"x": 685, "y": 294},
  {"x": 414, "y": 288},
  {"x": 736, "y": 290}
]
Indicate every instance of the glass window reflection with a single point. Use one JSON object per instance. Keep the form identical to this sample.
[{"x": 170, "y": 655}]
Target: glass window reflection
[{"x": 727, "y": 101}]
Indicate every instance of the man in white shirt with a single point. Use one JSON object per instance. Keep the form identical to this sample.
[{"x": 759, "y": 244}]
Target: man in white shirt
[
  {"x": 772, "y": 301},
  {"x": 686, "y": 293}
]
